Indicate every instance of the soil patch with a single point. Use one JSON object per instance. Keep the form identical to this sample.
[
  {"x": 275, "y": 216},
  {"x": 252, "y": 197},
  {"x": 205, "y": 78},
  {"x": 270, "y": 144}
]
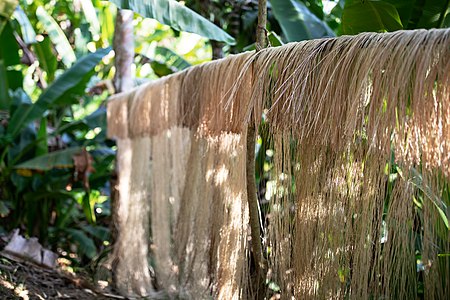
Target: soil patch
[{"x": 25, "y": 280}]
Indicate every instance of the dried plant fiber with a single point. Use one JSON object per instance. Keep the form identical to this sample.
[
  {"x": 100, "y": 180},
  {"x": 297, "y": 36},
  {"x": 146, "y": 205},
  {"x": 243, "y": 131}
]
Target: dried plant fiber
[
  {"x": 360, "y": 128},
  {"x": 188, "y": 200},
  {"x": 344, "y": 113}
]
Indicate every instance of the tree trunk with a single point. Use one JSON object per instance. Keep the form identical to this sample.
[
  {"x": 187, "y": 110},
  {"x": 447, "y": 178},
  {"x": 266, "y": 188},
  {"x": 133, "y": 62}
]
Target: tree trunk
[
  {"x": 124, "y": 51},
  {"x": 123, "y": 81},
  {"x": 130, "y": 270}
]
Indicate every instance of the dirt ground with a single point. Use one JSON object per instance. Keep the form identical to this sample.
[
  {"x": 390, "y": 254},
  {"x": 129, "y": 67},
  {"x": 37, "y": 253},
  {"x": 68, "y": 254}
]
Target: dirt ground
[{"x": 25, "y": 280}]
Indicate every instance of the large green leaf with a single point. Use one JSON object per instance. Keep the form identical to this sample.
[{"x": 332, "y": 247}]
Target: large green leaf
[
  {"x": 92, "y": 121},
  {"x": 28, "y": 33},
  {"x": 68, "y": 80},
  {"x": 56, "y": 159},
  {"x": 177, "y": 16},
  {"x": 10, "y": 76},
  {"x": 446, "y": 21},
  {"x": 107, "y": 23},
  {"x": 57, "y": 36},
  {"x": 74, "y": 94},
  {"x": 19, "y": 101},
  {"x": 429, "y": 13},
  {"x": 171, "y": 58},
  {"x": 97, "y": 118},
  {"x": 298, "y": 22},
  {"x": 421, "y": 13},
  {"x": 370, "y": 15},
  {"x": 405, "y": 10},
  {"x": 316, "y": 7},
  {"x": 47, "y": 58},
  {"x": 161, "y": 69},
  {"x": 42, "y": 137},
  {"x": 334, "y": 18},
  {"x": 91, "y": 18},
  {"x": 9, "y": 49},
  {"x": 88, "y": 207},
  {"x": 4, "y": 95},
  {"x": 274, "y": 39}
]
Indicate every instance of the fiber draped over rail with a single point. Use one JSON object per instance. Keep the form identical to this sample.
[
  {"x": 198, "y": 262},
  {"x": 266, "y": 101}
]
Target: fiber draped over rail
[{"x": 360, "y": 127}]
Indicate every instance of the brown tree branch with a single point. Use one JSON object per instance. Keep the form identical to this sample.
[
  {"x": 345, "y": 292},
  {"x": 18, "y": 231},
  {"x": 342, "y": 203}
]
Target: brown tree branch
[{"x": 253, "y": 203}]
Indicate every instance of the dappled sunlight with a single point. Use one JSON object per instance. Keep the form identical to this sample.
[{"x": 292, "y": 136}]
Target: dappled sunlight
[
  {"x": 218, "y": 176},
  {"x": 428, "y": 142},
  {"x": 342, "y": 212},
  {"x": 19, "y": 290},
  {"x": 191, "y": 187},
  {"x": 132, "y": 267}
]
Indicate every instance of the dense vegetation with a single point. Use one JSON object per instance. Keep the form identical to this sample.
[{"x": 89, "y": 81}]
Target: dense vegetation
[{"x": 56, "y": 71}]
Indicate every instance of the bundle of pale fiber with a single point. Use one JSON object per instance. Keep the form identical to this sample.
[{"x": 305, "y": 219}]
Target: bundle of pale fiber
[
  {"x": 360, "y": 128},
  {"x": 182, "y": 188}
]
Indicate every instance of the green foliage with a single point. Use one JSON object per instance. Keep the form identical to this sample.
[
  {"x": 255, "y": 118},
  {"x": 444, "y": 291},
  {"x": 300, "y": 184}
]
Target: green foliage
[
  {"x": 39, "y": 186},
  {"x": 177, "y": 16},
  {"x": 60, "y": 90},
  {"x": 9, "y": 58},
  {"x": 165, "y": 62},
  {"x": 274, "y": 39},
  {"x": 42, "y": 191},
  {"x": 171, "y": 58},
  {"x": 91, "y": 17},
  {"x": 390, "y": 15},
  {"x": 370, "y": 15},
  {"x": 441, "y": 204},
  {"x": 85, "y": 243},
  {"x": 57, "y": 159},
  {"x": 424, "y": 13},
  {"x": 28, "y": 33},
  {"x": 57, "y": 36},
  {"x": 298, "y": 22},
  {"x": 4, "y": 96},
  {"x": 46, "y": 57}
]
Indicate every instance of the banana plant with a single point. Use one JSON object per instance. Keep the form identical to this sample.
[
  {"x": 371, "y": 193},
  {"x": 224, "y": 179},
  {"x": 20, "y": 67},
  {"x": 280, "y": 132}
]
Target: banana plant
[
  {"x": 298, "y": 21},
  {"x": 39, "y": 190},
  {"x": 177, "y": 16},
  {"x": 390, "y": 15}
]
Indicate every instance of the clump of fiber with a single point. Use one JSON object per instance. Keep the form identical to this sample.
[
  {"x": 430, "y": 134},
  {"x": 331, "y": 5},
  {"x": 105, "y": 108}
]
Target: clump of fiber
[{"x": 360, "y": 127}]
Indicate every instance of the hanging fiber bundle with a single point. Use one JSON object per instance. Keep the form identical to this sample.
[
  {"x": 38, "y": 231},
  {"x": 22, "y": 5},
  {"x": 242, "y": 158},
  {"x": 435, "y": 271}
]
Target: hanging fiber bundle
[
  {"x": 360, "y": 128},
  {"x": 184, "y": 178}
]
